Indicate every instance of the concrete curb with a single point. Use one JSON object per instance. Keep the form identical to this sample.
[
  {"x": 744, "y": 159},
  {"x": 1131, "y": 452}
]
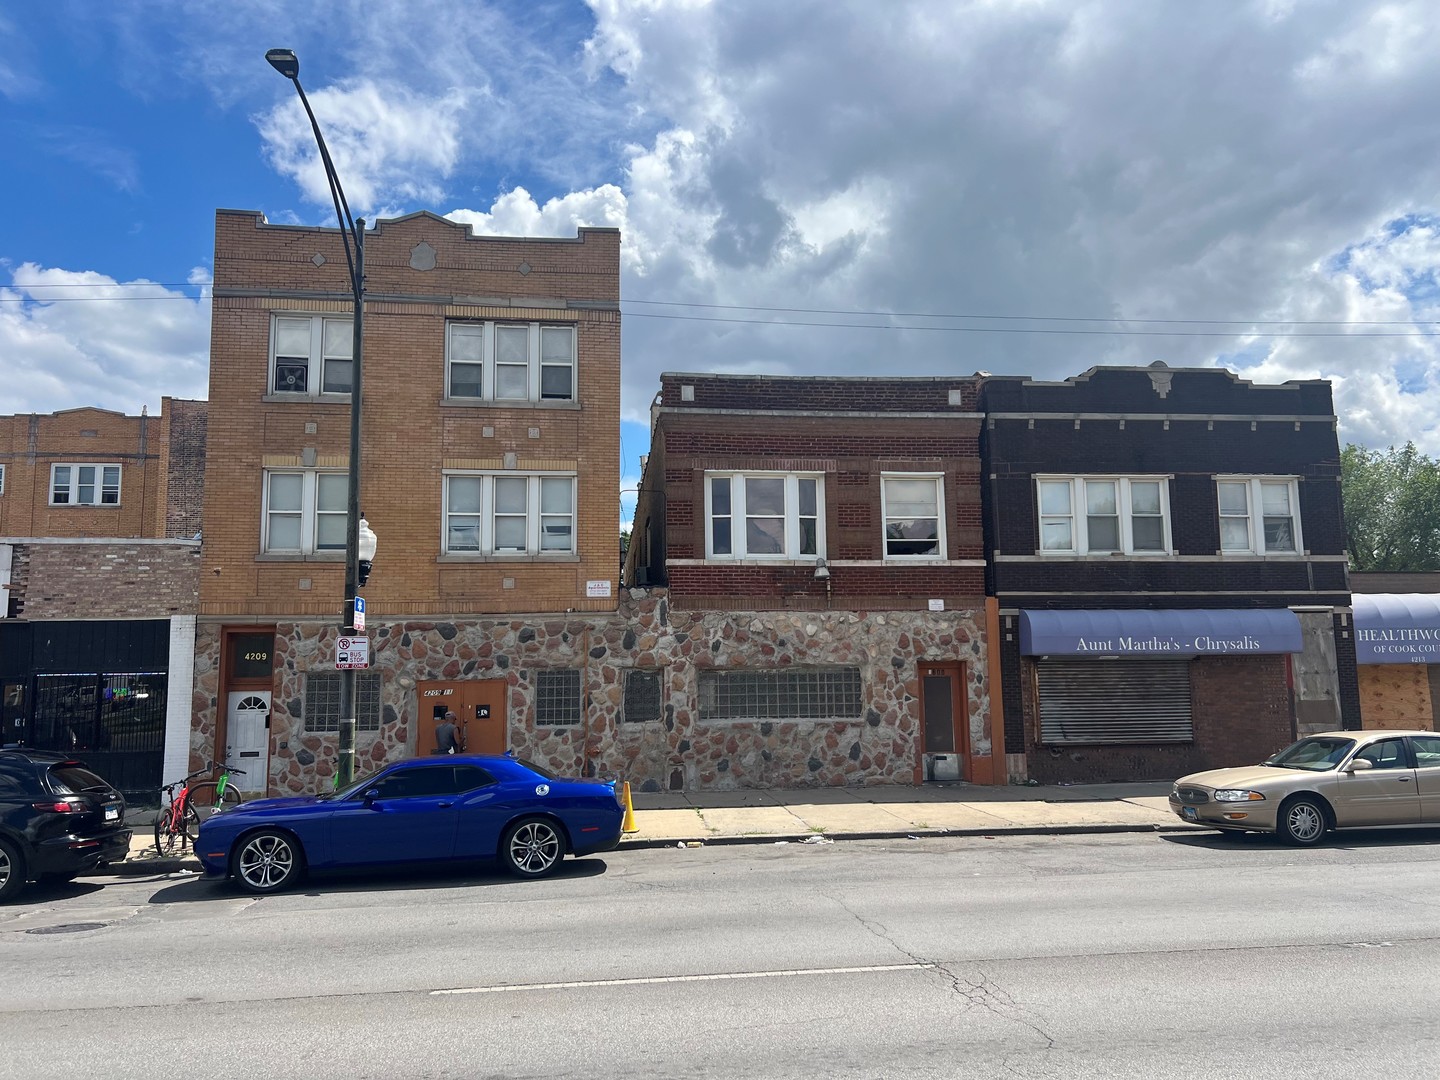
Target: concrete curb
[
  {"x": 903, "y": 834},
  {"x": 175, "y": 864}
]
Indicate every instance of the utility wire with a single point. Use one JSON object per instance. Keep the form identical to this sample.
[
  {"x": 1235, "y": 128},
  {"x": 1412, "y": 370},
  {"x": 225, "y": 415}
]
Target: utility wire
[{"x": 1242, "y": 327}]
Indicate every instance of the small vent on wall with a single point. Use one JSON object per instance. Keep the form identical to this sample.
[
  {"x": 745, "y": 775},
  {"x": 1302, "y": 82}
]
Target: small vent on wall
[{"x": 687, "y": 393}]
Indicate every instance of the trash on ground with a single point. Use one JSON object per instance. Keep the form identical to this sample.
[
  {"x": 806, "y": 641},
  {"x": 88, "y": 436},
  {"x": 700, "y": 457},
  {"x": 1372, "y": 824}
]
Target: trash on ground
[{"x": 817, "y": 840}]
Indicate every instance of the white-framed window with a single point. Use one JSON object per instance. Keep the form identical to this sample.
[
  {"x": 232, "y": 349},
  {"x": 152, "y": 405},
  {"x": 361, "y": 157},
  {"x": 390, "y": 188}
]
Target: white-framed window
[
  {"x": 509, "y": 514},
  {"x": 2, "y": 479},
  {"x": 497, "y": 361},
  {"x": 305, "y": 511},
  {"x": 764, "y": 516},
  {"x": 1259, "y": 515},
  {"x": 913, "y": 508},
  {"x": 311, "y": 354},
  {"x": 1103, "y": 515},
  {"x": 84, "y": 485}
]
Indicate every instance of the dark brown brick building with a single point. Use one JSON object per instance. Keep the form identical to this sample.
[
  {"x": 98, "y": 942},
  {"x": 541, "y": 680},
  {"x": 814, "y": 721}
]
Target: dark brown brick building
[{"x": 1167, "y": 550}]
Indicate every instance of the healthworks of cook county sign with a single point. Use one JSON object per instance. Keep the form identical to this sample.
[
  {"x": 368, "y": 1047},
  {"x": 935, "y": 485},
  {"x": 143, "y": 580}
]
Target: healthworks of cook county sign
[
  {"x": 1397, "y": 628},
  {"x": 1159, "y": 633}
]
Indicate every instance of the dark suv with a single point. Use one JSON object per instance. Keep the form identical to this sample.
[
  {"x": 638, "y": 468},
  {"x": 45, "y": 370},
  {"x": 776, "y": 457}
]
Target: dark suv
[{"x": 57, "y": 820}]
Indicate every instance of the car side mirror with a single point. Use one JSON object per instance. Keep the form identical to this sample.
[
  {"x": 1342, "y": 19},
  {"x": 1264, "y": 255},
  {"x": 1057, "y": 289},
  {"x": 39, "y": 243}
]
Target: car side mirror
[
  {"x": 370, "y": 796},
  {"x": 1359, "y": 765}
]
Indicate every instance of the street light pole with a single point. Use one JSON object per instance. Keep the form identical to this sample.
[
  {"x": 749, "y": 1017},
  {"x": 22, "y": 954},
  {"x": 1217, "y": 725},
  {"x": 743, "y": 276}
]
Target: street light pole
[{"x": 352, "y": 232}]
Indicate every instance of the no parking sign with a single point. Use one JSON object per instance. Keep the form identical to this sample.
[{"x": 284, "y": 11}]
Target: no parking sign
[{"x": 352, "y": 652}]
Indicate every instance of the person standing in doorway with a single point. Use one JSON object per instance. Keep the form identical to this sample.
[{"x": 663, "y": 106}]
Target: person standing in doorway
[{"x": 447, "y": 735}]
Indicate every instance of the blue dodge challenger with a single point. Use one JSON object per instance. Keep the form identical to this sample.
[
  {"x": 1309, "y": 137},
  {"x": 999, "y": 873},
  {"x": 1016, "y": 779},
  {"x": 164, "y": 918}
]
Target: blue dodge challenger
[{"x": 425, "y": 810}]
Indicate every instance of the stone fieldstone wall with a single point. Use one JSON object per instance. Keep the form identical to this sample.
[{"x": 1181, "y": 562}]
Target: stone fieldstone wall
[{"x": 881, "y": 746}]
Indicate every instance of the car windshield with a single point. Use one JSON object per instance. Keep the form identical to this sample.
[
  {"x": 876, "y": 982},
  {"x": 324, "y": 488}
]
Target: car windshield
[
  {"x": 355, "y": 787},
  {"x": 1317, "y": 754}
]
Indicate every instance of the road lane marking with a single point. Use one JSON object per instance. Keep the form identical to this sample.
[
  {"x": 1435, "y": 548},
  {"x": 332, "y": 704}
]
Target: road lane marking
[{"x": 660, "y": 979}]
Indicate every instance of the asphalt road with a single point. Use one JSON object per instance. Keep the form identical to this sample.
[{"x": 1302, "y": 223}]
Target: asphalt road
[{"x": 1102, "y": 956}]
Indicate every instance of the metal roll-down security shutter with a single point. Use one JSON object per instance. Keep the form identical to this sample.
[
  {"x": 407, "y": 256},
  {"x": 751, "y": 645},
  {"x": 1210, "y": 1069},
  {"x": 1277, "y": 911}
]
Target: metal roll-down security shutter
[{"x": 1119, "y": 700}]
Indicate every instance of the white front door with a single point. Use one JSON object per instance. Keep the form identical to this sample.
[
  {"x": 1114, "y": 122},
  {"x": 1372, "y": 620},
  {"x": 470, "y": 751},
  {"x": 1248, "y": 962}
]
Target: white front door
[{"x": 247, "y": 738}]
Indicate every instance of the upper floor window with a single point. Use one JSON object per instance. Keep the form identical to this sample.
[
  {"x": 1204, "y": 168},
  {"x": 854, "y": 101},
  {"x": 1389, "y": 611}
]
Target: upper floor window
[
  {"x": 311, "y": 354},
  {"x": 84, "y": 485},
  {"x": 1102, "y": 515},
  {"x": 912, "y": 506},
  {"x": 305, "y": 511},
  {"x": 509, "y": 514},
  {"x": 764, "y": 516},
  {"x": 2, "y": 479},
  {"x": 494, "y": 361},
  {"x": 1259, "y": 515}
]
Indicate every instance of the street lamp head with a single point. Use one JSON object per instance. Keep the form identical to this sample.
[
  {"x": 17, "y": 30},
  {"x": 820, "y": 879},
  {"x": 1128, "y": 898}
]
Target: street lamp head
[
  {"x": 285, "y": 62},
  {"x": 365, "y": 549}
]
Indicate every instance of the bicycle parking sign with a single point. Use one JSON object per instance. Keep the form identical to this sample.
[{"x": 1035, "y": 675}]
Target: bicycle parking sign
[{"x": 352, "y": 652}]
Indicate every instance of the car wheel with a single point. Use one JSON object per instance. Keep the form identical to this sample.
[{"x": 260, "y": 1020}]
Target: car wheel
[
  {"x": 12, "y": 871},
  {"x": 1303, "y": 821},
  {"x": 532, "y": 848},
  {"x": 267, "y": 861}
]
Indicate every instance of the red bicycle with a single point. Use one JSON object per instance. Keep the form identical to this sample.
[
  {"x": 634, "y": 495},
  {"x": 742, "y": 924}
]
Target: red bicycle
[{"x": 178, "y": 824}]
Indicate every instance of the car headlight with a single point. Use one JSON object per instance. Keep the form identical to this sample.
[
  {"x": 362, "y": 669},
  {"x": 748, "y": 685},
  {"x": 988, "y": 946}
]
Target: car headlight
[{"x": 1238, "y": 795}]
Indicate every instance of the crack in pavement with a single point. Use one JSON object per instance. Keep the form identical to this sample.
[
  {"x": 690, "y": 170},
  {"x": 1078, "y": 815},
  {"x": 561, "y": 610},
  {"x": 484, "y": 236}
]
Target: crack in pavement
[{"x": 985, "y": 993}]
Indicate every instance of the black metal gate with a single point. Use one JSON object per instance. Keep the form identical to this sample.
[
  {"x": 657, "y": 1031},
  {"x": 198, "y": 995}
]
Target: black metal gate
[
  {"x": 115, "y": 722},
  {"x": 93, "y": 689}
]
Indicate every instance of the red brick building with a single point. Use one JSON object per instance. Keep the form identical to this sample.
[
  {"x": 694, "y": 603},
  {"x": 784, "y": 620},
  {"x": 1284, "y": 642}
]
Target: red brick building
[{"x": 821, "y": 543}]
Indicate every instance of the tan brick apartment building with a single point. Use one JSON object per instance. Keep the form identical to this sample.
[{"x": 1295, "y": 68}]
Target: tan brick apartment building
[
  {"x": 491, "y": 412},
  {"x": 99, "y": 513}
]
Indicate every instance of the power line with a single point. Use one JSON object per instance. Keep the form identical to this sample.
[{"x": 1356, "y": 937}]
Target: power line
[
  {"x": 1028, "y": 329},
  {"x": 1038, "y": 318},
  {"x": 1240, "y": 327}
]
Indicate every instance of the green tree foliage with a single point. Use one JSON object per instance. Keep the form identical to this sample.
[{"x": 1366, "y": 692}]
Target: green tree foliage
[{"x": 1392, "y": 508}]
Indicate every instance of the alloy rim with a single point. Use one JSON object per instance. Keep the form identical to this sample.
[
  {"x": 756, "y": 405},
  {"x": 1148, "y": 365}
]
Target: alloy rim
[
  {"x": 5, "y": 868},
  {"x": 1305, "y": 822},
  {"x": 534, "y": 847},
  {"x": 266, "y": 861}
]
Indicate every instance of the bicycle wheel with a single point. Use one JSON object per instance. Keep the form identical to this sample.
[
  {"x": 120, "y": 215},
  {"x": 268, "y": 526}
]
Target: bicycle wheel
[
  {"x": 170, "y": 840},
  {"x": 203, "y": 799}
]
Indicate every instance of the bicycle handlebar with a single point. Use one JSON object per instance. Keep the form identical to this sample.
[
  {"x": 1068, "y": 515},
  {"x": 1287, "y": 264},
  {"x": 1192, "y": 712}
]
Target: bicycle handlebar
[{"x": 210, "y": 768}]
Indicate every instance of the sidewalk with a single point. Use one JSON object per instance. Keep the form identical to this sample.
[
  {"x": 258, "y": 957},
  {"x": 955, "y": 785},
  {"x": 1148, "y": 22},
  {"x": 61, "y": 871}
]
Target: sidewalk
[{"x": 767, "y": 816}]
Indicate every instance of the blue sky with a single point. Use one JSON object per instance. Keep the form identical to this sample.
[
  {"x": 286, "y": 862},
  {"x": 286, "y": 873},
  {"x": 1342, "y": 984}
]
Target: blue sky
[{"x": 1038, "y": 186}]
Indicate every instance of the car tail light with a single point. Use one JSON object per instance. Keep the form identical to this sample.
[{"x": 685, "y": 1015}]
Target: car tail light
[{"x": 58, "y": 807}]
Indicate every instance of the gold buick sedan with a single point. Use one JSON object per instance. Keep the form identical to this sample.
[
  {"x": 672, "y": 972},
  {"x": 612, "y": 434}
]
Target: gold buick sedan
[{"x": 1334, "y": 780}]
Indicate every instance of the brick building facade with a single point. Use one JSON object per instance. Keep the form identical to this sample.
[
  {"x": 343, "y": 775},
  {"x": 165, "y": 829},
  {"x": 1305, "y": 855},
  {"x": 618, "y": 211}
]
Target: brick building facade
[
  {"x": 99, "y": 574},
  {"x": 1167, "y": 550},
  {"x": 827, "y": 534},
  {"x": 490, "y": 476}
]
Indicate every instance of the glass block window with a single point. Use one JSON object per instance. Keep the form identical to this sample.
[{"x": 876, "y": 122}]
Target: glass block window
[
  {"x": 830, "y": 693},
  {"x": 322, "y": 701},
  {"x": 557, "y": 697},
  {"x": 642, "y": 697}
]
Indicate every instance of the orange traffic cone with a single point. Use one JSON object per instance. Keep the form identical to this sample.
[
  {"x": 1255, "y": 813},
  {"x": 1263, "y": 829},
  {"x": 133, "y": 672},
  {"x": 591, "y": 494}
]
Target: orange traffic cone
[{"x": 629, "y": 826}]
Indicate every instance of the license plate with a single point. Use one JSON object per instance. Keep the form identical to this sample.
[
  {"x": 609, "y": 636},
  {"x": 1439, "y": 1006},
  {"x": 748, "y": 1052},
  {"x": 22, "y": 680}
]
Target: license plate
[
  {"x": 1189, "y": 814},
  {"x": 112, "y": 813}
]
